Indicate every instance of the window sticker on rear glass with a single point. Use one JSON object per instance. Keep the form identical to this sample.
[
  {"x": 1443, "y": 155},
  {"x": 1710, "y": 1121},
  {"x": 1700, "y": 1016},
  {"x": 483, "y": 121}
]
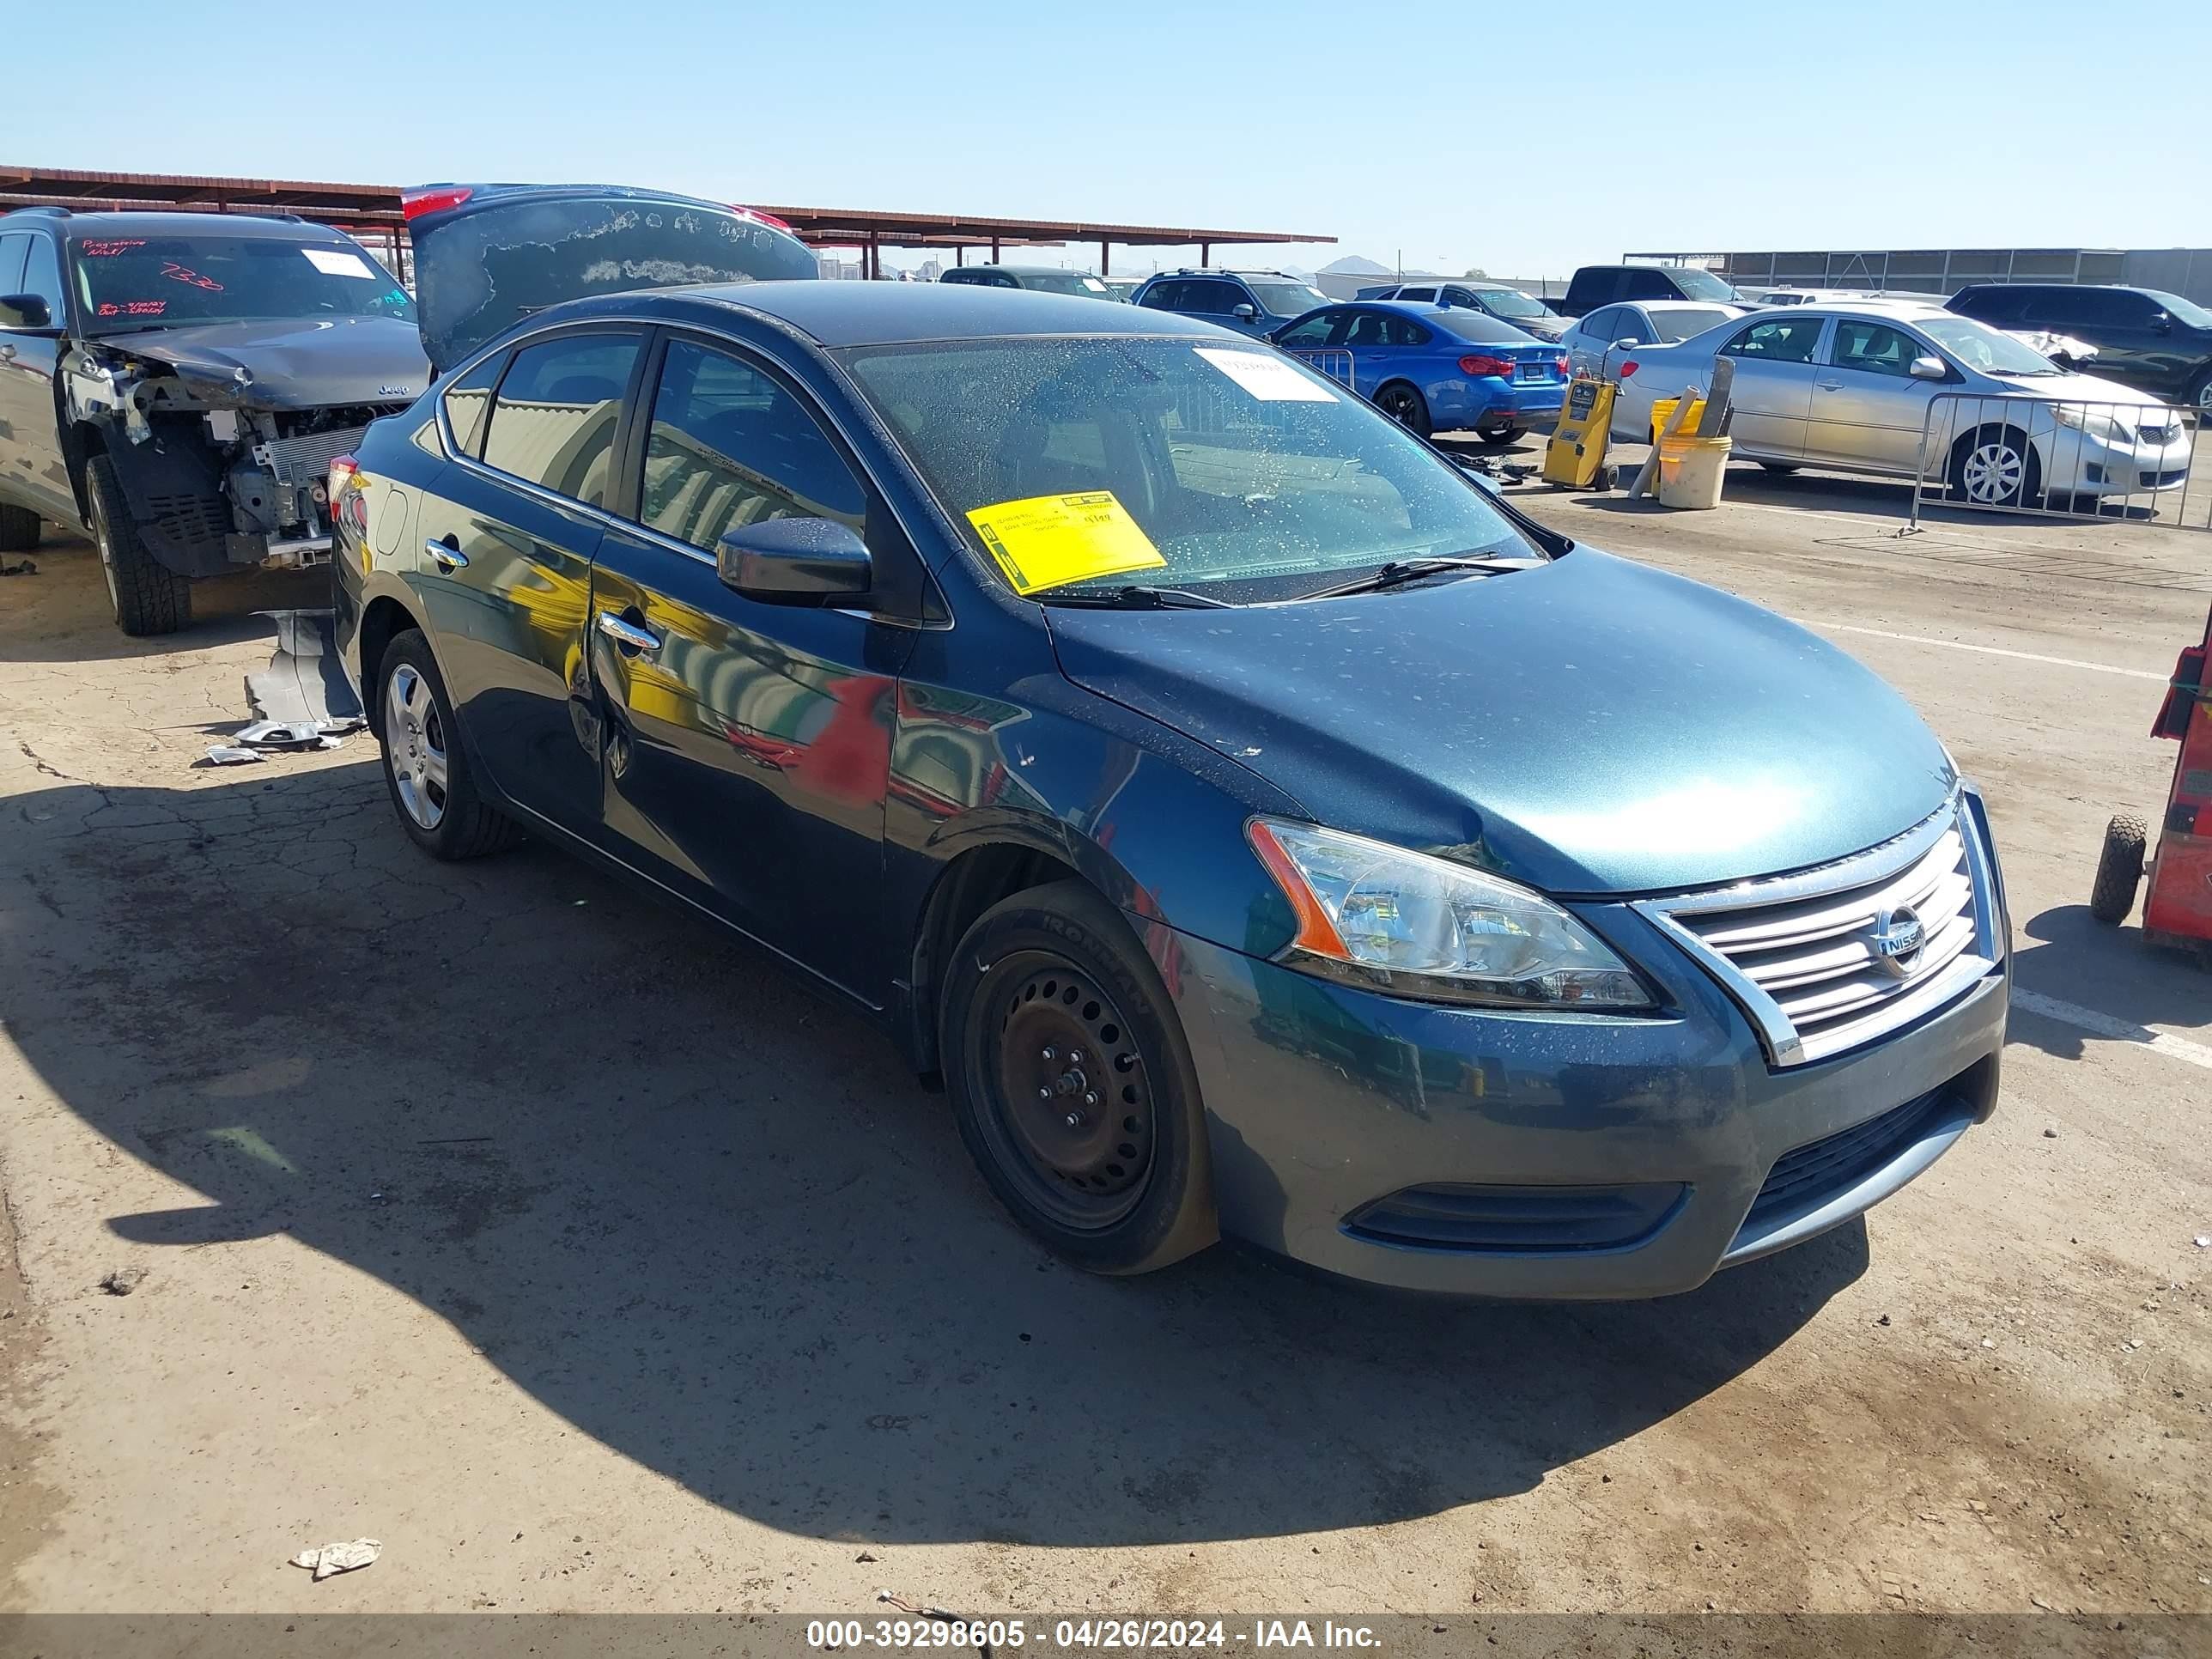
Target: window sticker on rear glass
[
  {"x": 109, "y": 250},
  {"x": 1271, "y": 379},
  {"x": 1048, "y": 540},
  {"x": 133, "y": 308},
  {"x": 336, "y": 262}
]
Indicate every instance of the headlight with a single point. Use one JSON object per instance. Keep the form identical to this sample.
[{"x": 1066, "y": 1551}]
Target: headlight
[
  {"x": 2103, "y": 427},
  {"x": 1379, "y": 917}
]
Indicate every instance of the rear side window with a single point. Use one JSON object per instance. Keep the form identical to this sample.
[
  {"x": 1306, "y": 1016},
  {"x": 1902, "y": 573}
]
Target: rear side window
[
  {"x": 1404, "y": 331},
  {"x": 553, "y": 422},
  {"x": 1781, "y": 340},
  {"x": 1997, "y": 304},
  {"x": 1648, "y": 285},
  {"x": 729, "y": 447},
  {"x": 467, "y": 401}
]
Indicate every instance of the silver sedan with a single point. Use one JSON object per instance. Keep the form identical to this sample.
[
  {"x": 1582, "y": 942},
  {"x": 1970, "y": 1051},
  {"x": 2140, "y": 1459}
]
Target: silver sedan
[
  {"x": 1596, "y": 341},
  {"x": 1872, "y": 386}
]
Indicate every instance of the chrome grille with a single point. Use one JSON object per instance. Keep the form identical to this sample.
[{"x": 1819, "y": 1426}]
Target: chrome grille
[{"x": 1834, "y": 958}]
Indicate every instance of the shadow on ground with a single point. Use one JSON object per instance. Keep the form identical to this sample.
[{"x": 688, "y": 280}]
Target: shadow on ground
[
  {"x": 2115, "y": 971},
  {"x": 708, "y": 1219},
  {"x": 62, "y": 613}
]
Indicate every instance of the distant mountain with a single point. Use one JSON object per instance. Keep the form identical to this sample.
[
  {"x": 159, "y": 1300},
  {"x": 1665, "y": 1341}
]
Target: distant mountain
[{"x": 1353, "y": 264}]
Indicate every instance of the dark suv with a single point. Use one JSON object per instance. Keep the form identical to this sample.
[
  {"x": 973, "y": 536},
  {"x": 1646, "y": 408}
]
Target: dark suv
[
  {"x": 178, "y": 383},
  {"x": 2154, "y": 341},
  {"x": 1605, "y": 285},
  {"x": 1251, "y": 302}
]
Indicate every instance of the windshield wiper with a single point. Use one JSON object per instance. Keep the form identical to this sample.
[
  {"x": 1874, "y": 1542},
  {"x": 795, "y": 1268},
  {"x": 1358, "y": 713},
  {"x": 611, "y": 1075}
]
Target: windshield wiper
[
  {"x": 1137, "y": 596},
  {"x": 1401, "y": 571}
]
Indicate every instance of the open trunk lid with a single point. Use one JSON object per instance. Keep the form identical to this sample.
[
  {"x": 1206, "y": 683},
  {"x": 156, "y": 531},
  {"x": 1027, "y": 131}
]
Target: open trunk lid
[{"x": 487, "y": 255}]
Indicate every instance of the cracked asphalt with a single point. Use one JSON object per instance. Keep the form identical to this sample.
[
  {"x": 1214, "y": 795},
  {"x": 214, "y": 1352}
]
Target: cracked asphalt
[{"x": 591, "y": 1262}]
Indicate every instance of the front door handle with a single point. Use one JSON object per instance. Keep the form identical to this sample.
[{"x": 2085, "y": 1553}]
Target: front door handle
[
  {"x": 445, "y": 556},
  {"x": 1829, "y": 385},
  {"x": 628, "y": 634}
]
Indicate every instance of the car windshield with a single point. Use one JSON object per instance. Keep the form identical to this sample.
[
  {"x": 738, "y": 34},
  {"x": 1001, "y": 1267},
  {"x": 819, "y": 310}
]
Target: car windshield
[
  {"x": 2181, "y": 310},
  {"x": 1698, "y": 284},
  {"x": 1096, "y": 463},
  {"x": 1065, "y": 282},
  {"x": 1512, "y": 302},
  {"x": 153, "y": 281},
  {"x": 1286, "y": 299},
  {"x": 1979, "y": 346}
]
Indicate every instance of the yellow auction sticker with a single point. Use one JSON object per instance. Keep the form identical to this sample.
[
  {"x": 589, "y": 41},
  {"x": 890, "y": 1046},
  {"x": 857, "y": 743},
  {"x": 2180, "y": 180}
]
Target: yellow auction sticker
[{"x": 1047, "y": 540}]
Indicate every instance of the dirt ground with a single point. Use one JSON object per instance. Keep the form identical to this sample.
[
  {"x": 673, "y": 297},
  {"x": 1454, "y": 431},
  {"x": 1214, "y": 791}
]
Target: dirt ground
[{"x": 591, "y": 1262}]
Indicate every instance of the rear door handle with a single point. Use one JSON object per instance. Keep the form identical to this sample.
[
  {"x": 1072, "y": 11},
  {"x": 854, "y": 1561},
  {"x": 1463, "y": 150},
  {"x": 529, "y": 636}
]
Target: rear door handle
[
  {"x": 445, "y": 557},
  {"x": 628, "y": 634},
  {"x": 1829, "y": 385}
]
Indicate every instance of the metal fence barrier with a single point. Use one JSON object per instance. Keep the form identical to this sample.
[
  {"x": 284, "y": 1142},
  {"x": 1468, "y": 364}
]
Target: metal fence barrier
[{"x": 2060, "y": 457}]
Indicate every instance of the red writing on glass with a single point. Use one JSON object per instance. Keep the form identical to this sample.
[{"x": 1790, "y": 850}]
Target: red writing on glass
[
  {"x": 133, "y": 308},
  {"x": 108, "y": 250},
  {"x": 184, "y": 274}
]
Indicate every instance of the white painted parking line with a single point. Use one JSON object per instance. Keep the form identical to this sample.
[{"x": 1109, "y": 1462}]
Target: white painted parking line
[
  {"x": 2119, "y": 1031},
  {"x": 1987, "y": 650}
]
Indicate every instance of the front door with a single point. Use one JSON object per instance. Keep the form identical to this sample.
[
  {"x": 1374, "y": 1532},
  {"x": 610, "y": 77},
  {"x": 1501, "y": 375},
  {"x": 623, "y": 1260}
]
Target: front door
[
  {"x": 1773, "y": 392},
  {"x": 505, "y": 565},
  {"x": 1868, "y": 410},
  {"x": 32, "y": 471},
  {"x": 748, "y": 752}
]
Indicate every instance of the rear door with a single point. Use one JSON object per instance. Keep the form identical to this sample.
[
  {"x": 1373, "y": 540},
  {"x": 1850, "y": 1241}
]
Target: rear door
[
  {"x": 1866, "y": 408},
  {"x": 1774, "y": 372},
  {"x": 748, "y": 753},
  {"x": 505, "y": 567},
  {"x": 486, "y": 256}
]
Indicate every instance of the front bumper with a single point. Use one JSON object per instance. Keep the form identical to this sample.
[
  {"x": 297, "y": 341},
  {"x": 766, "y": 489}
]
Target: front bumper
[
  {"x": 1322, "y": 1100},
  {"x": 2084, "y": 465}
]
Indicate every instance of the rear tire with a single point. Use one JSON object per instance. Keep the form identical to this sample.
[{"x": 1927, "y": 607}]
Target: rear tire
[
  {"x": 19, "y": 529},
  {"x": 1500, "y": 434},
  {"x": 148, "y": 597},
  {"x": 2119, "y": 871},
  {"x": 426, "y": 764},
  {"x": 1073, "y": 1083},
  {"x": 1405, "y": 405}
]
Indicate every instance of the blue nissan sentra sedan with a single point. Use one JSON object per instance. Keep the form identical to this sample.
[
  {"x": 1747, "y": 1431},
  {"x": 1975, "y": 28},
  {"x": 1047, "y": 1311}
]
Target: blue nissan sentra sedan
[
  {"x": 1435, "y": 368},
  {"x": 1257, "y": 826}
]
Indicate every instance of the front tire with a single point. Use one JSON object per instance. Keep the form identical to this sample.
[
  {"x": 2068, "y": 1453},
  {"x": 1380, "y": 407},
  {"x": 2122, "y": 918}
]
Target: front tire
[
  {"x": 2119, "y": 870},
  {"x": 147, "y": 596},
  {"x": 19, "y": 529},
  {"x": 426, "y": 766},
  {"x": 1995, "y": 466},
  {"x": 1073, "y": 1083},
  {"x": 1405, "y": 405},
  {"x": 2201, "y": 400}
]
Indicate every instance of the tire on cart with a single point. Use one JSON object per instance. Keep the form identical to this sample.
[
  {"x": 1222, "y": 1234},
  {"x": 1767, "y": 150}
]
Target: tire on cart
[{"x": 2119, "y": 871}]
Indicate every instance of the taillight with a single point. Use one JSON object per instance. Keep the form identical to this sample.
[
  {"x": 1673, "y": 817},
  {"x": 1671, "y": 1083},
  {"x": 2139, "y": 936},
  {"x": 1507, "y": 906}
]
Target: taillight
[
  {"x": 760, "y": 218},
  {"x": 1561, "y": 364},
  {"x": 1483, "y": 365},
  {"x": 345, "y": 501},
  {"x": 343, "y": 470},
  {"x": 434, "y": 198},
  {"x": 1628, "y": 368}
]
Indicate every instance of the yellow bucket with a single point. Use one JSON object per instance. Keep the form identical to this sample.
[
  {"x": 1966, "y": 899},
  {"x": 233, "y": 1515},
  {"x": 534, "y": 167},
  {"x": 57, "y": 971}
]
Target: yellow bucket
[
  {"x": 1690, "y": 470},
  {"x": 1663, "y": 411}
]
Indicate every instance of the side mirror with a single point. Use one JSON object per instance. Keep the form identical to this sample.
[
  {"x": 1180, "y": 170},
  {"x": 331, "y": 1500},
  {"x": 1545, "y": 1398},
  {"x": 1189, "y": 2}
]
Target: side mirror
[
  {"x": 2163, "y": 323},
  {"x": 809, "y": 562},
  {"x": 24, "y": 311},
  {"x": 1244, "y": 312},
  {"x": 1928, "y": 368},
  {"x": 1625, "y": 345}
]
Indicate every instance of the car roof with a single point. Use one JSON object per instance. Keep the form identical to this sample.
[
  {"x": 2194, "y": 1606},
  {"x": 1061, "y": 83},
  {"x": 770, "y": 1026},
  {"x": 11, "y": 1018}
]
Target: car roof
[
  {"x": 1028, "y": 270},
  {"x": 859, "y": 313},
  {"x": 165, "y": 224}
]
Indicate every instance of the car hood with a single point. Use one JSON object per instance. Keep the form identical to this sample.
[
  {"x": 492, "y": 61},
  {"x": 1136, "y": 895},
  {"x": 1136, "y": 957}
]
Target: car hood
[
  {"x": 293, "y": 364},
  {"x": 2087, "y": 388},
  {"x": 1591, "y": 726}
]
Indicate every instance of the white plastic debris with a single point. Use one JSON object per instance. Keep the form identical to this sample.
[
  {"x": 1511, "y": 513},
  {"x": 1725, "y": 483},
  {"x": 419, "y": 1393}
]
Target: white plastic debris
[
  {"x": 328, "y": 1559},
  {"x": 2204, "y": 1241},
  {"x": 228, "y": 754}
]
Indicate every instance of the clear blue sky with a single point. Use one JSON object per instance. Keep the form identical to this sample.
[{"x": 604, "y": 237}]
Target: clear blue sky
[{"x": 1522, "y": 139}]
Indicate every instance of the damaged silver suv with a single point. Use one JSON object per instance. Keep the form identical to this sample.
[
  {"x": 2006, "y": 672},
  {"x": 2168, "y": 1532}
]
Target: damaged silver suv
[{"x": 178, "y": 383}]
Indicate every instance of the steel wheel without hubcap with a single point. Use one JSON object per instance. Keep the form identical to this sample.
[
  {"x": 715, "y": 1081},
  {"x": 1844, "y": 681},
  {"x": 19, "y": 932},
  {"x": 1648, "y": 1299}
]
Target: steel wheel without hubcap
[
  {"x": 415, "y": 746},
  {"x": 1069, "y": 1092},
  {"x": 1992, "y": 472}
]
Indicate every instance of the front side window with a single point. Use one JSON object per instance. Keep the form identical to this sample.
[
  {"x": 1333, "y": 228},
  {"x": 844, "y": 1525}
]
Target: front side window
[
  {"x": 1314, "y": 332},
  {"x": 12, "y": 249},
  {"x": 1874, "y": 349},
  {"x": 126, "y": 282},
  {"x": 1164, "y": 296},
  {"x": 2182, "y": 311},
  {"x": 1212, "y": 299},
  {"x": 42, "y": 276},
  {"x": 730, "y": 446},
  {"x": 1238, "y": 465},
  {"x": 553, "y": 422},
  {"x": 1779, "y": 340}
]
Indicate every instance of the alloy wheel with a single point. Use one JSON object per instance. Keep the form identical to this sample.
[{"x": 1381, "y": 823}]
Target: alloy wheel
[
  {"x": 104, "y": 539},
  {"x": 415, "y": 746},
  {"x": 1992, "y": 473},
  {"x": 1398, "y": 405},
  {"x": 1069, "y": 1091}
]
